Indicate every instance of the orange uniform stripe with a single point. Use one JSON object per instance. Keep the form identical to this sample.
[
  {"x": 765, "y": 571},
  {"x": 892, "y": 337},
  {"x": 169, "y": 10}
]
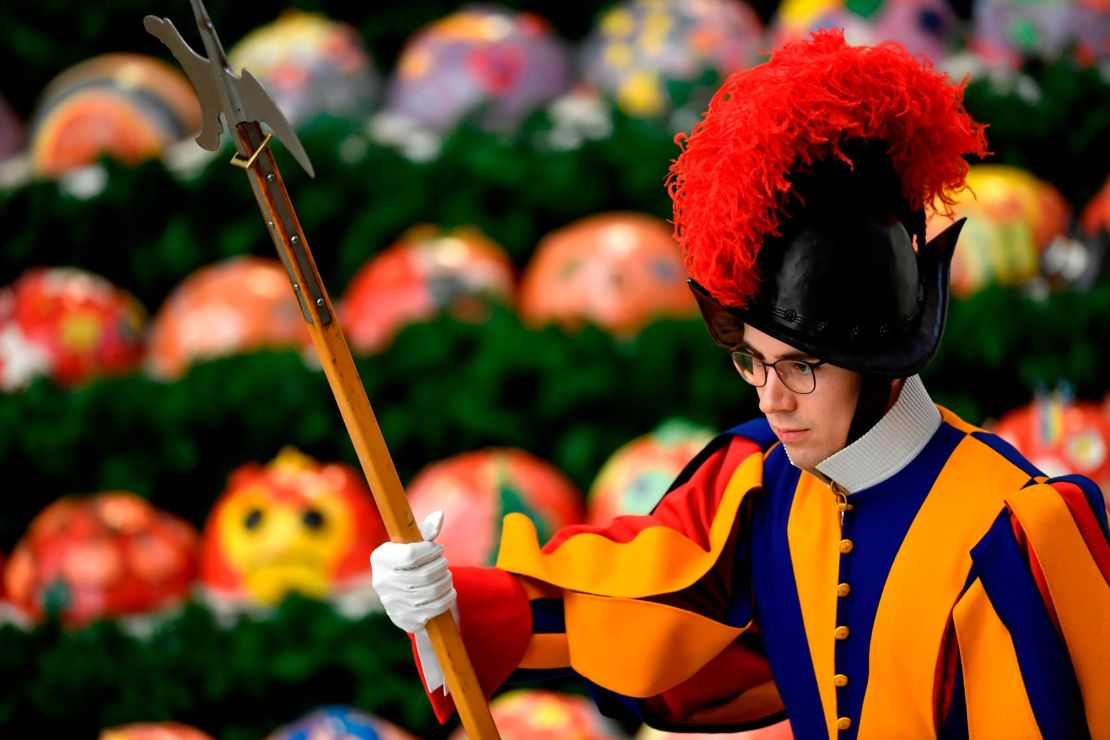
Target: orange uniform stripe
[
  {"x": 640, "y": 648},
  {"x": 657, "y": 560},
  {"x": 813, "y": 532},
  {"x": 1079, "y": 593},
  {"x": 997, "y": 704},
  {"x": 918, "y": 596}
]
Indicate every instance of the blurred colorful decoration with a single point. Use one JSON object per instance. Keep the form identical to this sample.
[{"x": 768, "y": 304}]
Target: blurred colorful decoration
[
  {"x": 426, "y": 271},
  {"x": 1011, "y": 217},
  {"x": 339, "y": 723},
  {"x": 311, "y": 65},
  {"x": 129, "y": 106},
  {"x": 637, "y": 475},
  {"x": 475, "y": 490},
  {"x": 641, "y": 49},
  {"x": 1060, "y": 436},
  {"x": 294, "y": 525},
  {"x": 485, "y": 60},
  {"x": 540, "y": 714},
  {"x": 1007, "y": 31},
  {"x": 617, "y": 270},
  {"x": 154, "y": 731},
  {"x": 778, "y": 731},
  {"x": 12, "y": 134},
  {"x": 928, "y": 27},
  {"x": 796, "y": 19},
  {"x": 105, "y": 555},
  {"x": 1095, "y": 216},
  {"x": 68, "y": 324},
  {"x": 238, "y": 305}
]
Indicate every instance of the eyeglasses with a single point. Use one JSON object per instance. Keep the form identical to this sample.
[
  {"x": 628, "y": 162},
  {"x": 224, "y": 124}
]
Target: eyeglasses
[{"x": 798, "y": 376}]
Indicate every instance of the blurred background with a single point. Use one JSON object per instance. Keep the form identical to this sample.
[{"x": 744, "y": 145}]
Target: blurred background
[{"x": 185, "y": 534}]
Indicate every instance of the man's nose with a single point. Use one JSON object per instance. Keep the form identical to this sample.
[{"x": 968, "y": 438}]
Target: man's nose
[{"x": 775, "y": 396}]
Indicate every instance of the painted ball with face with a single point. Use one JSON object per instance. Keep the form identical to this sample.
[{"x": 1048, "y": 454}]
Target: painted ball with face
[
  {"x": 129, "y": 106},
  {"x": 238, "y": 305},
  {"x": 311, "y": 65},
  {"x": 294, "y": 525},
  {"x": 339, "y": 723},
  {"x": 426, "y": 272},
  {"x": 70, "y": 325},
  {"x": 475, "y": 490},
  {"x": 619, "y": 271},
  {"x": 486, "y": 61},
  {"x": 1061, "y": 436},
  {"x": 636, "y": 476},
  {"x": 100, "y": 556},
  {"x": 539, "y": 714}
]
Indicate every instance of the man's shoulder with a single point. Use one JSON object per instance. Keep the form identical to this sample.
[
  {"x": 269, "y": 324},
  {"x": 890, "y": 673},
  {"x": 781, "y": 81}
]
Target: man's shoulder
[{"x": 756, "y": 430}]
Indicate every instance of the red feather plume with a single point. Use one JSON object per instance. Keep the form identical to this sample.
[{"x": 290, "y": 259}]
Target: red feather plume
[{"x": 730, "y": 183}]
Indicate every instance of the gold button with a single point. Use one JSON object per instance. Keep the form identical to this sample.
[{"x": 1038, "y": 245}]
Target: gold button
[
  {"x": 843, "y": 590},
  {"x": 843, "y": 724},
  {"x": 841, "y": 633},
  {"x": 840, "y": 680},
  {"x": 846, "y": 546}
]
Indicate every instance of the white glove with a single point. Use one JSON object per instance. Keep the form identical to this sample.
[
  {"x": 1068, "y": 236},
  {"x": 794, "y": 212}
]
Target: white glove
[{"x": 414, "y": 585}]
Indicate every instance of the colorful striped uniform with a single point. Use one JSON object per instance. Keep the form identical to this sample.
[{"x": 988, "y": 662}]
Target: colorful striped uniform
[{"x": 963, "y": 595}]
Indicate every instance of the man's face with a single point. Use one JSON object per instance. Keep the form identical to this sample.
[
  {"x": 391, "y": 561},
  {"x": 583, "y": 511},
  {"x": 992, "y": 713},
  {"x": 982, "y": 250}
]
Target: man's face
[{"x": 812, "y": 426}]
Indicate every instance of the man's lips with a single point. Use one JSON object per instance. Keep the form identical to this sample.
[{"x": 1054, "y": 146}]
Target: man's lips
[{"x": 789, "y": 435}]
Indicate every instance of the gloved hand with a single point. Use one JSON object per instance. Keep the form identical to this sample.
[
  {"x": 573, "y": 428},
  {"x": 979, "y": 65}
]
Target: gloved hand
[{"x": 414, "y": 585}]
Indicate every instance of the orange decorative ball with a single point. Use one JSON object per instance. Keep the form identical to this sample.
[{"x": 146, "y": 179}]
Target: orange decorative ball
[
  {"x": 617, "y": 270},
  {"x": 425, "y": 272},
  {"x": 294, "y": 525},
  {"x": 130, "y": 106},
  {"x": 539, "y": 714},
  {"x": 238, "y": 305},
  {"x": 475, "y": 490},
  {"x": 105, "y": 555},
  {"x": 69, "y": 324},
  {"x": 1061, "y": 436},
  {"x": 637, "y": 475},
  {"x": 154, "y": 731}
]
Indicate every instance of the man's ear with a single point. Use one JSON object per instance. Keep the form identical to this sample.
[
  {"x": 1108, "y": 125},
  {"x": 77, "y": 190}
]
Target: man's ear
[{"x": 726, "y": 329}]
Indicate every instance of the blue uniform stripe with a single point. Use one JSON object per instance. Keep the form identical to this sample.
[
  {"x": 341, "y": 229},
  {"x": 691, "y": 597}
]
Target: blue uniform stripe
[
  {"x": 955, "y": 726},
  {"x": 1007, "y": 450},
  {"x": 778, "y": 609},
  {"x": 880, "y": 517},
  {"x": 548, "y": 616},
  {"x": 1046, "y": 669}
]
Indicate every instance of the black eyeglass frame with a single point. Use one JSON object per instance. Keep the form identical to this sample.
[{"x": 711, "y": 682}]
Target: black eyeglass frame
[{"x": 774, "y": 365}]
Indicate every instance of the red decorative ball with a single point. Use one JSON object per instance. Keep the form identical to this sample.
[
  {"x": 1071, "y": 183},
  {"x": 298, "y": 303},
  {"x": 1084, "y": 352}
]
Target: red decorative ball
[
  {"x": 105, "y": 555},
  {"x": 475, "y": 490},
  {"x": 69, "y": 324},
  {"x": 637, "y": 475},
  {"x": 238, "y": 305},
  {"x": 1061, "y": 437},
  {"x": 425, "y": 272},
  {"x": 616, "y": 270},
  {"x": 294, "y": 525}
]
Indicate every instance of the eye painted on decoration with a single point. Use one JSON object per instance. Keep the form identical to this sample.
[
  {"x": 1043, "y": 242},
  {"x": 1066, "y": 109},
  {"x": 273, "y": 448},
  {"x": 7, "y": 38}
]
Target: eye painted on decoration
[
  {"x": 253, "y": 519},
  {"x": 313, "y": 520}
]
